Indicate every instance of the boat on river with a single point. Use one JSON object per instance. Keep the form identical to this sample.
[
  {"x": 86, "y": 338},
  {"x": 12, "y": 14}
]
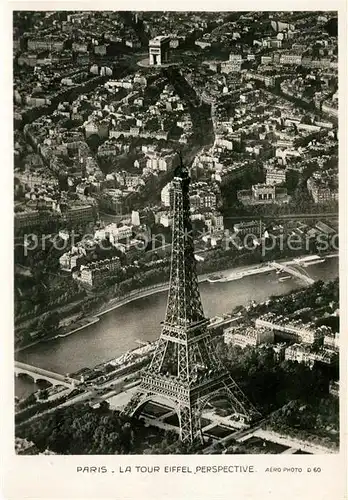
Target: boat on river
[
  {"x": 214, "y": 278},
  {"x": 313, "y": 262},
  {"x": 224, "y": 279},
  {"x": 283, "y": 278},
  {"x": 236, "y": 276}
]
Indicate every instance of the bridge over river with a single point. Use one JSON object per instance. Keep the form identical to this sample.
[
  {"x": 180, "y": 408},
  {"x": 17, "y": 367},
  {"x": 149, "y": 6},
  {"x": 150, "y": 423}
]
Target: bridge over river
[
  {"x": 301, "y": 274},
  {"x": 37, "y": 373}
]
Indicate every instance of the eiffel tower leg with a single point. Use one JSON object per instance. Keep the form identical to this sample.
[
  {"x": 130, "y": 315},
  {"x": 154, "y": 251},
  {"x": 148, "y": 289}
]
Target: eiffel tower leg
[
  {"x": 158, "y": 357},
  {"x": 190, "y": 429},
  {"x": 239, "y": 401},
  {"x": 197, "y": 419},
  {"x": 185, "y": 421}
]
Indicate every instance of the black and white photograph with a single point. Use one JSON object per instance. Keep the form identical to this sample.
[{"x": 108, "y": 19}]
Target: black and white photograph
[{"x": 176, "y": 233}]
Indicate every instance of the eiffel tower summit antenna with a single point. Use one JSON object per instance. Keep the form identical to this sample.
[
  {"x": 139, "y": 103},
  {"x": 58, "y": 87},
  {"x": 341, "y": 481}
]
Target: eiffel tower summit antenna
[{"x": 185, "y": 372}]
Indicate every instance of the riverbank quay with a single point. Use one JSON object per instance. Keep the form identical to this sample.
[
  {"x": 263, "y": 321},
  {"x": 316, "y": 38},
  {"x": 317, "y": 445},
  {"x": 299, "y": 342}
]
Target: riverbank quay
[{"x": 65, "y": 332}]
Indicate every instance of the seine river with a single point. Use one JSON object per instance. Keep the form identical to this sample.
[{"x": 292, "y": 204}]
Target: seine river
[{"x": 119, "y": 330}]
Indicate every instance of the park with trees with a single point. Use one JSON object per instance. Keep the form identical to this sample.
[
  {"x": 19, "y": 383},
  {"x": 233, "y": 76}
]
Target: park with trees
[{"x": 81, "y": 430}]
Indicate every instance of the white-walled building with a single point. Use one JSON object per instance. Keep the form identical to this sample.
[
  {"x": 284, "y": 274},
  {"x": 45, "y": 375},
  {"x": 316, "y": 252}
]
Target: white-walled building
[
  {"x": 167, "y": 195},
  {"x": 114, "y": 233},
  {"x": 244, "y": 336}
]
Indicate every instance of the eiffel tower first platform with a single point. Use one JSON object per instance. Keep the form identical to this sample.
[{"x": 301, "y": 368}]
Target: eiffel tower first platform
[{"x": 185, "y": 371}]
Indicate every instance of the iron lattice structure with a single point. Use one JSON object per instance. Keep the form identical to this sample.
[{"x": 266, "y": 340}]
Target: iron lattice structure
[{"x": 185, "y": 370}]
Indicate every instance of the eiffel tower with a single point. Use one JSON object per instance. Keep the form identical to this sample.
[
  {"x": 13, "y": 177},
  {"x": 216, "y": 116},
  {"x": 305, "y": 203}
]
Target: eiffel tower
[{"x": 185, "y": 372}]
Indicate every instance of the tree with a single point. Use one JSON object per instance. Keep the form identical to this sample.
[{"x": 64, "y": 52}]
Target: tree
[
  {"x": 332, "y": 26},
  {"x": 82, "y": 430},
  {"x": 94, "y": 141},
  {"x": 306, "y": 119},
  {"x": 43, "y": 394},
  {"x": 48, "y": 322},
  {"x": 29, "y": 401}
]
